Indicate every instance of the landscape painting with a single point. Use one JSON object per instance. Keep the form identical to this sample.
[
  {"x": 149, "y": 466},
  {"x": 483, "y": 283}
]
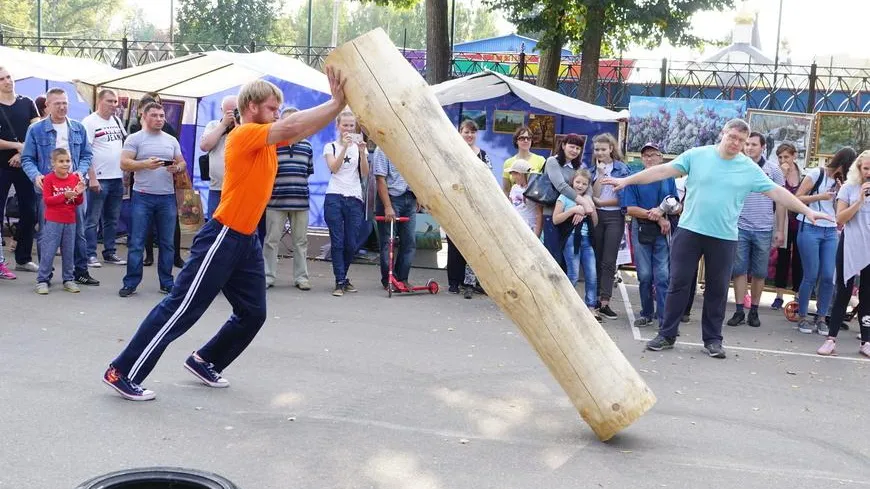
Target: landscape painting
[
  {"x": 836, "y": 130},
  {"x": 783, "y": 127},
  {"x": 678, "y": 124},
  {"x": 507, "y": 121}
]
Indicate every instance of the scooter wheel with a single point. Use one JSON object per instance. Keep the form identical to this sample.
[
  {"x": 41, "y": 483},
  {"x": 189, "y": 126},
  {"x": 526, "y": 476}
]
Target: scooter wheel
[
  {"x": 433, "y": 286},
  {"x": 389, "y": 291},
  {"x": 791, "y": 311}
]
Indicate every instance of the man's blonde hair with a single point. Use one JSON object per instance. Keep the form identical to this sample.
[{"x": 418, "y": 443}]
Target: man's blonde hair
[{"x": 257, "y": 92}]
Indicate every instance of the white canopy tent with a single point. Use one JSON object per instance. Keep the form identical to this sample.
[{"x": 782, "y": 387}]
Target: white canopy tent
[
  {"x": 30, "y": 64},
  {"x": 488, "y": 84}
]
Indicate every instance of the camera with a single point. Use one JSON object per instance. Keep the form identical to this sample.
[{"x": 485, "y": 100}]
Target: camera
[
  {"x": 670, "y": 205},
  {"x": 237, "y": 116},
  {"x": 356, "y": 137}
]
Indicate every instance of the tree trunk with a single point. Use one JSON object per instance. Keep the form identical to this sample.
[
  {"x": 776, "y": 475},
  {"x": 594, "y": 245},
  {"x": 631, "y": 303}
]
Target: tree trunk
[
  {"x": 437, "y": 42},
  {"x": 403, "y": 117},
  {"x": 548, "y": 65},
  {"x": 587, "y": 87}
]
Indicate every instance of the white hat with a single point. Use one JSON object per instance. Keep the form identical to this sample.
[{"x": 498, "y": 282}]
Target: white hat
[{"x": 520, "y": 166}]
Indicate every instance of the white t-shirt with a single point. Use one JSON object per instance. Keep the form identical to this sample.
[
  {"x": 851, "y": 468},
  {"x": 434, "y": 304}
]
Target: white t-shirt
[
  {"x": 62, "y": 140},
  {"x": 346, "y": 180},
  {"x": 216, "y": 160},
  {"x": 107, "y": 139},
  {"x": 526, "y": 208},
  {"x": 828, "y": 185},
  {"x": 607, "y": 192}
]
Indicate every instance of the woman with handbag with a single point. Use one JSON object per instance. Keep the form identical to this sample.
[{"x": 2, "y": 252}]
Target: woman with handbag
[
  {"x": 611, "y": 218},
  {"x": 558, "y": 174},
  {"x": 459, "y": 274}
]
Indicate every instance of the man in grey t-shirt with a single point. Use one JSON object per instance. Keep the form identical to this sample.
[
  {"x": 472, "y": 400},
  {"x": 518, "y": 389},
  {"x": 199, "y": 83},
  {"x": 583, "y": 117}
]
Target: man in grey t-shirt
[{"x": 153, "y": 156}]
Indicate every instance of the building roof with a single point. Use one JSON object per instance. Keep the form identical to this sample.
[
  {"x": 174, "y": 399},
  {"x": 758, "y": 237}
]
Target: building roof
[{"x": 511, "y": 43}]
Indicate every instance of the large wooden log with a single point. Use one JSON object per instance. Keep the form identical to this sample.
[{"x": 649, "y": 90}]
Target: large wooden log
[{"x": 403, "y": 117}]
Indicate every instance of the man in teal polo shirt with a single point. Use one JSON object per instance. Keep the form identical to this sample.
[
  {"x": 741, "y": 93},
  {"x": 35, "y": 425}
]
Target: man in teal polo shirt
[{"x": 719, "y": 179}]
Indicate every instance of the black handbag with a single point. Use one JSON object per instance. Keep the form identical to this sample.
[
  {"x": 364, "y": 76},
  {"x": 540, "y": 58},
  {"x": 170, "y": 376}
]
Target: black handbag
[
  {"x": 647, "y": 231},
  {"x": 541, "y": 190}
]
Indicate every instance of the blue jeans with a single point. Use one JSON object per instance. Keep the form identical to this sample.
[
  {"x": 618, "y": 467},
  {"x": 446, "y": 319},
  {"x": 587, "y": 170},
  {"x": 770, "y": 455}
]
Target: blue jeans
[
  {"x": 404, "y": 205},
  {"x": 552, "y": 242},
  {"x": 652, "y": 262},
  {"x": 80, "y": 255},
  {"x": 214, "y": 198},
  {"x": 105, "y": 205},
  {"x": 753, "y": 253},
  {"x": 146, "y": 210},
  {"x": 343, "y": 217},
  {"x": 56, "y": 234},
  {"x": 584, "y": 257},
  {"x": 818, "y": 249}
]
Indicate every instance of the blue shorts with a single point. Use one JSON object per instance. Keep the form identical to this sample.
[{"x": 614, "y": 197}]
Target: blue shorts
[{"x": 753, "y": 253}]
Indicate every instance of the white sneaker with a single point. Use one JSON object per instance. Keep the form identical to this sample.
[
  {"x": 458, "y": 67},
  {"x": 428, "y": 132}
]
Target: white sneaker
[
  {"x": 71, "y": 286},
  {"x": 93, "y": 262},
  {"x": 42, "y": 288},
  {"x": 27, "y": 267}
]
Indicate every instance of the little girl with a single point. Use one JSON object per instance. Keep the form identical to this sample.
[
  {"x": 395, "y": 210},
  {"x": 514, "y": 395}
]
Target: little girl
[
  {"x": 575, "y": 223},
  {"x": 62, "y": 191},
  {"x": 531, "y": 212}
]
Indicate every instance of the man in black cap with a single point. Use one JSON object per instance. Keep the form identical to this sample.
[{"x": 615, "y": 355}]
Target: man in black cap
[{"x": 650, "y": 227}]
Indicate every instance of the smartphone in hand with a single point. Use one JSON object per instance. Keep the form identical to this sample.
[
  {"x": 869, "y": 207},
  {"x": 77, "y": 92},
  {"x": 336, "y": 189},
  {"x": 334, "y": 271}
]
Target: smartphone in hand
[{"x": 168, "y": 162}]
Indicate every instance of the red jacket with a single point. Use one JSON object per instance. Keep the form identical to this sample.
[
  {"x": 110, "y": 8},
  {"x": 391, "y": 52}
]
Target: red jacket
[{"x": 57, "y": 207}]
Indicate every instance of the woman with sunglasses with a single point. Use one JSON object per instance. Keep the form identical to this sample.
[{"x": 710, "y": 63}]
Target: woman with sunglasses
[{"x": 523, "y": 143}]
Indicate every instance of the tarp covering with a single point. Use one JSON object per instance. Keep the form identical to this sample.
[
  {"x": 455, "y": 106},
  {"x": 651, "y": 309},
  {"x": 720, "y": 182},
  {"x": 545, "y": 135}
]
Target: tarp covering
[{"x": 487, "y": 85}]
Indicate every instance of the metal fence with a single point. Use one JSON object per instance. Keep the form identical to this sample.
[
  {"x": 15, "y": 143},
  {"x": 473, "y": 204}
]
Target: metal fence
[{"x": 793, "y": 88}]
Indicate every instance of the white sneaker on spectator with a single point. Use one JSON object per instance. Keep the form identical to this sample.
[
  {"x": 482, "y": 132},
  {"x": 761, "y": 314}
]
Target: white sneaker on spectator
[
  {"x": 27, "y": 267},
  {"x": 93, "y": 262}
]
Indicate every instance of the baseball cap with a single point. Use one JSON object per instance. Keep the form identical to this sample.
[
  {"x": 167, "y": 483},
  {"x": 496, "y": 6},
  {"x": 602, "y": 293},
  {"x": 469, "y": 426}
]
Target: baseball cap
[
  {"x": 650, "y": 145},
  {"x": 520, "y": 166}
]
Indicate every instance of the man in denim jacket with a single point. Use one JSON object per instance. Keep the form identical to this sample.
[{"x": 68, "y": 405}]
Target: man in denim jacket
[{"x": 58, "y": 131}]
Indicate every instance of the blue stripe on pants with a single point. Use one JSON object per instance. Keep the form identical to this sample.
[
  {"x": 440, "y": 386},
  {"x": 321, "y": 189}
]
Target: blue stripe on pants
[{"x": 221, "y": 260}]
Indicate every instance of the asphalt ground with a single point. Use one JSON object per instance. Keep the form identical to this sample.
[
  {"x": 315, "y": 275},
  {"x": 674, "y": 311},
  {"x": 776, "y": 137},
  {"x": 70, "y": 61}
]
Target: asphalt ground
[{"x": 415, "y": 392}]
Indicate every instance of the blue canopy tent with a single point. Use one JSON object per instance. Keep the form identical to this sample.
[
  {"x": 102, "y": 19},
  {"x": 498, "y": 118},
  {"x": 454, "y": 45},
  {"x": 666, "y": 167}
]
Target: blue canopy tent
[
  {"x": 490, "y": 92},
  {"x": 199, "y": 81}
]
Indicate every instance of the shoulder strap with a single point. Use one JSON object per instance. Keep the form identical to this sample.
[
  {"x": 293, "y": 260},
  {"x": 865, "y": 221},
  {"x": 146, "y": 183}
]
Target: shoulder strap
[
  {"x": 333, "y": 149},
  {"x": 818, "y": 184},
  {"x": 120, "y": 126},
  {"x": 8, "y": 123}
]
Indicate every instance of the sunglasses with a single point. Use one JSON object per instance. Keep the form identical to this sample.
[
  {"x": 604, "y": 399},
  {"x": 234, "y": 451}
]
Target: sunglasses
[{"x": 524, "y": 138}]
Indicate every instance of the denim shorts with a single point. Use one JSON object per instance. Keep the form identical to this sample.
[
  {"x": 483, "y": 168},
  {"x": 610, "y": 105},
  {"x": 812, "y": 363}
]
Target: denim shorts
[{"x": 753, "y": 253}]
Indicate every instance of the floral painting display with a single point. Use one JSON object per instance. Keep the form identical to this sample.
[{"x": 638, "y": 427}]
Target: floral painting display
[{"x": 677, "y": 124}]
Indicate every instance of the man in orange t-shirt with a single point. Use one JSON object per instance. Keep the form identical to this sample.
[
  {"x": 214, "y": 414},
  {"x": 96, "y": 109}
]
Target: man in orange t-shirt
[{"x": 226, "y": 255}]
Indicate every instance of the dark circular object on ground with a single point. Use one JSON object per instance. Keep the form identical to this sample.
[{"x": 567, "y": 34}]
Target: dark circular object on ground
[{"x": 159, "y": 478}]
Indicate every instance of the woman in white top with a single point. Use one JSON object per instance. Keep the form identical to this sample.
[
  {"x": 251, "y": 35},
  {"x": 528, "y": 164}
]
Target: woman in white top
[
  {"x": 818, "y": 242},
  {"x": 347, "y": 159},
  {"x": 853, "y": 254}
]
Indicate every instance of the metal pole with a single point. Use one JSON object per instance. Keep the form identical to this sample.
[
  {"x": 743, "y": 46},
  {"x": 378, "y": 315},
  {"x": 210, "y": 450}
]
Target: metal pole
[
  {"x": 308, "y": 57},
  {"x": 171, "y": 21},
  {"x": 776, "y": 58},
  {"x": 39, "y": 25},
  {"x": 452, "y": 25},
  {"x": 335, "y": 7}
]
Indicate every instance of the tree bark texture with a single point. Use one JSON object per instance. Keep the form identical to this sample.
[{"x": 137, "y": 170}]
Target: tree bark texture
[
  {"x": 437, "y": 42},
  {"x": 587, "y": 86}
]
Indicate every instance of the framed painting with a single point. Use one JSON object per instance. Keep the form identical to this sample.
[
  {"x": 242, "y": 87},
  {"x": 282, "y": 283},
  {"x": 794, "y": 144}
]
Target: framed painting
[
  {"x": 783, "y": 127},
  {"x": 507, "y": 121},
  {"x": 543, "y": 129},
  {"x": 836, "y": 130},
  {"x": 478, "y": 116}
]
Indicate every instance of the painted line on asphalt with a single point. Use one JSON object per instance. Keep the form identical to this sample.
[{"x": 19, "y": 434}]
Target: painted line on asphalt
[
  {"x": 635, "y": 332},
  {"x": 629, "y": 311}
]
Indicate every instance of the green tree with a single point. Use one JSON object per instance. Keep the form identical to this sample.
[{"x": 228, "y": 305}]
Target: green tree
[
  {"x": 134, "y": 27},
  {"x": 600, "y": 25},
  {"x": 60, "y": 18},
  {"x": 226, "y": 21}
]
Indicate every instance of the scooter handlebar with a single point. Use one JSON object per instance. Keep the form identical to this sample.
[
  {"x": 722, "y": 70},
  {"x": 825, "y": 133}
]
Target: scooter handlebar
[{"x": 398, "y": 219}]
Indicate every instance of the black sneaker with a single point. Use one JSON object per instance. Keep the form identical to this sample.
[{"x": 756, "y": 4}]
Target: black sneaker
[
  {"x": 348, "y": 287},
  {"x": 660, "y": 343},
  {"x": 126, "y": 387},
  {"x": 179, "y": 262},
  {"x": 753, "y": 320},
  {"x": 737, "y": 319},
  {"x": 126, "y": 292},
  {"x": 166, "y": 289},
  {"x": 467, "y": 292},
  {"x": 607, "y": 312},
  {"x": 114, "y": 259},
  {"x": 453, "y": 289},
  {"x": 148, "y": 261},
  {"x": 86, "y": 279},
  {"x": 205, "y": 372},
  {"x": 715, "y": 350}
]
